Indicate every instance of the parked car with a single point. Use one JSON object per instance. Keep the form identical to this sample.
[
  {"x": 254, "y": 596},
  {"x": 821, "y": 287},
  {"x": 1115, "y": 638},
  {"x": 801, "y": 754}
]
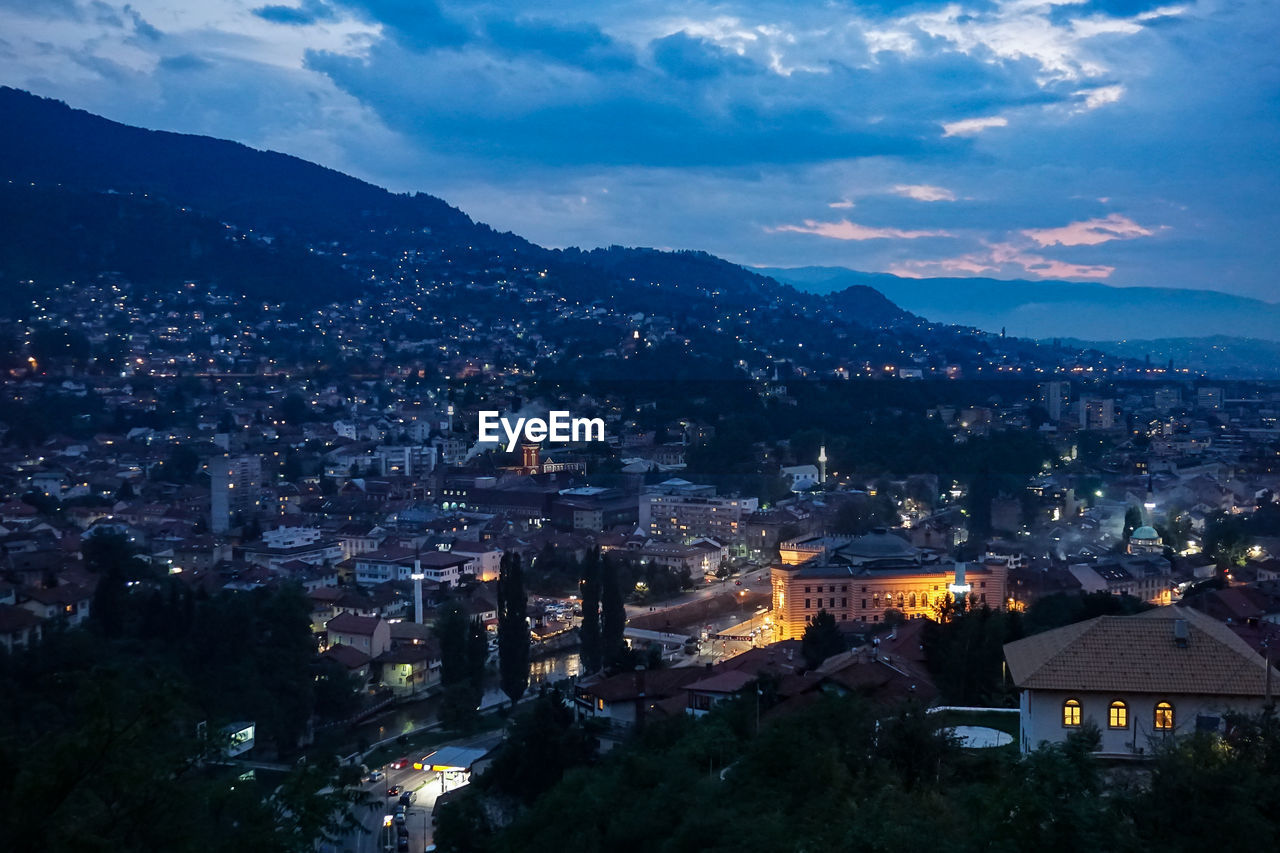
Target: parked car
[{"x": 408, "y": 798}]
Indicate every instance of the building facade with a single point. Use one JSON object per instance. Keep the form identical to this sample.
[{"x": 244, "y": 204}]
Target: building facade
[{"x": 1140, "y": 679}]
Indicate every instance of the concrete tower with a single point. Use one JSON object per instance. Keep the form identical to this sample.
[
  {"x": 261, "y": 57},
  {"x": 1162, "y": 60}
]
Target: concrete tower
[
  {"x": 822, "y": 464},
  {"x": 417, "y": 577}
]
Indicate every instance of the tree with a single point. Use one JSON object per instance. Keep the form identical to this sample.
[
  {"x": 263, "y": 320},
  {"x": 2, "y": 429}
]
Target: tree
[
  {"x": 1132, "y": 521},
  {"x": 589, "y": 631},
  {"x": 821, "y": 639},
  {"x": 513, "y": 628},
  {"x": 613, "y": 616},
  {"x": 451, "y": 630}
]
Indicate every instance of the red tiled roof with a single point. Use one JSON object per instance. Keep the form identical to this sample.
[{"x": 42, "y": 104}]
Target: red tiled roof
[{"x": 1139, "y": 654}]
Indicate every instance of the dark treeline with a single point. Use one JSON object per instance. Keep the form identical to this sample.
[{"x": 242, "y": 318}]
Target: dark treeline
[
  {"x": 104, "y": 730},
  {"x": 844, "y": 775}
]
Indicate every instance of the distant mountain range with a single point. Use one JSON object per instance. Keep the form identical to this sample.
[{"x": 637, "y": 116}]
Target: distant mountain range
[
  {"x": 1218, "y": 356},
  {"x": 83, "y": 198},
  {"x": 1057, "y": 309}
]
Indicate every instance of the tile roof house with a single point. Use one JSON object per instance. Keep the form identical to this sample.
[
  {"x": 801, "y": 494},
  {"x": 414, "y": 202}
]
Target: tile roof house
[
  {"x": 19, "y": 627},
  {"x": 368, "y": 634},
  {"x": 1139, "y": 678},
  {"x": 66, "y": 601}
]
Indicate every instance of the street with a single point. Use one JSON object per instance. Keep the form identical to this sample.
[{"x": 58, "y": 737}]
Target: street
[{"x": 379, "y": 834}]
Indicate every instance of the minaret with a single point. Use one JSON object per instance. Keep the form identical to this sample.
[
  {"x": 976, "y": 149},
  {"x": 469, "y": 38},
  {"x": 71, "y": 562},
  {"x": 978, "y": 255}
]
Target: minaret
[
  {"x": 961, "y": 587},
  {"x": 417, "y": 590},
  {"x": 822, "y": 464}
]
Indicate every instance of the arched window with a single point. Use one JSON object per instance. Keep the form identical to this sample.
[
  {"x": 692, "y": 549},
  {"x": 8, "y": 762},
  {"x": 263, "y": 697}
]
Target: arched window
[
  {"x": 902, "y": 601},
  {"x": 875, "y": 600},
  {"x": 1071, "y": 713},
  {"x": 1118, "y": 715},
  {"x": 912, "y": 599},
  {"x": 1164, "y": 717},
  {"x": 924, "y": 599}
]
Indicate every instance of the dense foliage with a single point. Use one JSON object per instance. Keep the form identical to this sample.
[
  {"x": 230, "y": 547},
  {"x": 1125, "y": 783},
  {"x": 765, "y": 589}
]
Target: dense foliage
[
  {"x": 844, "y": 775},
  {"x": 109, "y": 735}
]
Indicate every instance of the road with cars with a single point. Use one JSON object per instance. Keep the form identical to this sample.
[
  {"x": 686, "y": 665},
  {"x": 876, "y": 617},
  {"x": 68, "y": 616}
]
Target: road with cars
[{"x": 380, "y": 829}]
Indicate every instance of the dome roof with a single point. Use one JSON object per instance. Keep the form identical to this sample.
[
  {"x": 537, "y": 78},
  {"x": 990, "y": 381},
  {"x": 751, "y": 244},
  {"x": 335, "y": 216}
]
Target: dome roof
[
  {"x": 879, "y": 545},
  {"x": 1145, "y": 532}
]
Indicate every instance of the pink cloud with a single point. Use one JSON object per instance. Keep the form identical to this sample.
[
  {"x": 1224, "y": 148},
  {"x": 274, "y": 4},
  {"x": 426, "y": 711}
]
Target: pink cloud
[
  {"x": 1003, "y": 258},
  {"x": 1090, "y": 232},
  {"x": 1042, "y": 267},
  {"x": 846, "y": 230},
  {"x": 965, "y": 264}
]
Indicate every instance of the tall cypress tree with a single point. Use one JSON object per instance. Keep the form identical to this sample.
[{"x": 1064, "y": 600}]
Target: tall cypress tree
[
  {"x": 451, "y": 631},
  {"x": 589, "y": 589},
  {"x": 513, "y": 628},
  {"x": 613, "y": 616}
]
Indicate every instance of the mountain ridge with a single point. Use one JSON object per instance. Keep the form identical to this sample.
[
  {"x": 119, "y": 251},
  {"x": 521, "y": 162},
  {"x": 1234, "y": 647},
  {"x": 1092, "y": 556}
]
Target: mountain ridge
[{"x": 1057, "y": 309}]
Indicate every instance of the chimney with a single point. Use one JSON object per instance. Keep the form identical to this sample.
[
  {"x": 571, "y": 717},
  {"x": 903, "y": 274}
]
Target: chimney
[{"x": 1180, "y": 633}]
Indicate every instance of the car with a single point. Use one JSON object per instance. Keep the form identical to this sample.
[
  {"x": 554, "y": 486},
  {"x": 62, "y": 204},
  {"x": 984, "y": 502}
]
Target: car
[
  {"x": 402, "y": 844},
  {"x": 400, "y": 763},
  {"x": 395, "y": 791},
  {"x": 408, "y": 797},
  {"x": 401, "y": 829},
  {"x": 399, "y": 818},
  {"x": 737, "y": 583},
  {"x": 375, "y": 776}
]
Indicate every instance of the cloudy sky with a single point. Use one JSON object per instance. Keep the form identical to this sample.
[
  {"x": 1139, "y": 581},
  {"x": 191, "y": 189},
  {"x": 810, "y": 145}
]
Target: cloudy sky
[{"x": 1132, "y": 142}]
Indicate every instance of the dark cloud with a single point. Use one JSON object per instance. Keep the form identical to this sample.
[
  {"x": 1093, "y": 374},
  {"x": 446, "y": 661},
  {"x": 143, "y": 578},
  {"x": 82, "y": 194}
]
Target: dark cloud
[
  {"x": 184, "y": 62},
  {"x": 310, "y": 12},
  {"x": 46, "y": 9},
  {"x": 684, "y": 56},
  {"x": 417, "y": 24},
  {"x": 585, "y": 45},
  {"x": 140, "y": 25}
]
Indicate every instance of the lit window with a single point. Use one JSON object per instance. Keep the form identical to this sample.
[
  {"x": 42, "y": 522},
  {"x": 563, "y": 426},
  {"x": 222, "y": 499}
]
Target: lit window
[
  {"x": 1071, "y": 713},
  {"x": 1118, "y": 718},
  {"x": 1164, "y": 716}
]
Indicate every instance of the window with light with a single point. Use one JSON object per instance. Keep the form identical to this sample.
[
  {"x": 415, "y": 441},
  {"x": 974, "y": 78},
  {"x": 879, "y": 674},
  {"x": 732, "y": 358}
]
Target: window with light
[
  {"x": 1071, "y": 713},
  {"x": 1164, "y": 716},
  {"x": 1118, "y": 718}
]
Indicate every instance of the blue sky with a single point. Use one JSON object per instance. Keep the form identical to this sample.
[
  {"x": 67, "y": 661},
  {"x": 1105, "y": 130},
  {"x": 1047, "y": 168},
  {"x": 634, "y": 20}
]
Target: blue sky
[{"x": 1123, "y": 141}]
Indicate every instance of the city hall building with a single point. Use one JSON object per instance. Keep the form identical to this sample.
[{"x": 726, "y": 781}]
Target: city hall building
[{"x": 865, "y": 577}]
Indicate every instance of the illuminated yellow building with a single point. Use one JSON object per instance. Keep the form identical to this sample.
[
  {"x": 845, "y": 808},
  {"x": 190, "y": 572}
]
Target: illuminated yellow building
[{"x": 863, "y": 578}]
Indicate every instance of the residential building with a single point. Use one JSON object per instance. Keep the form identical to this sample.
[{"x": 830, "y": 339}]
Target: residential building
[
  {"x": 236, "y": 489},
  {"x": 1140, "y": 679}
]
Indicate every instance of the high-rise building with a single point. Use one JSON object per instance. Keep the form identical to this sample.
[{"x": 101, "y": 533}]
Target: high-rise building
[
  {"x": 235, "y": 483},
  {"x": 1167, "y": 398},
  {"x": 1209, "y": 398},
  {"x": 1056, "y": 398},
  {"x": 1097, "y": 413}
]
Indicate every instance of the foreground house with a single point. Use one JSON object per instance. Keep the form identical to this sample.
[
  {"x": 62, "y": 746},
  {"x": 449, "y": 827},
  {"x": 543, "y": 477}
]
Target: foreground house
[{"x": 1139, "y": 678}]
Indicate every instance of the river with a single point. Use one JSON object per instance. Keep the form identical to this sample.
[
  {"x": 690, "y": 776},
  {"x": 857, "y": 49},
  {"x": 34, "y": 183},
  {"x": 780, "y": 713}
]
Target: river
[{"x": 400, "y": 719}]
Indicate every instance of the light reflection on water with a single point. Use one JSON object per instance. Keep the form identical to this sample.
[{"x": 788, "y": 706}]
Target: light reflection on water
[{"x": 405, "y": 718}]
